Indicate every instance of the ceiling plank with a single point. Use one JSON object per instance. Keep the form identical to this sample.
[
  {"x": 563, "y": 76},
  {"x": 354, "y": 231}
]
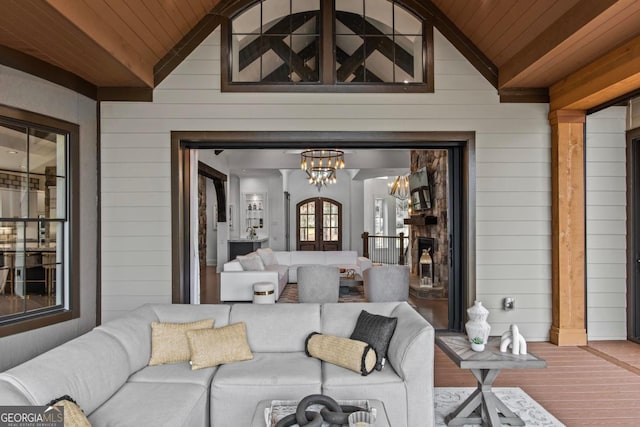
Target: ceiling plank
[
  {"x": 609, "y": 77},
  {"x": 571, "y": 22},
  {"x": 98, "y": 30}
]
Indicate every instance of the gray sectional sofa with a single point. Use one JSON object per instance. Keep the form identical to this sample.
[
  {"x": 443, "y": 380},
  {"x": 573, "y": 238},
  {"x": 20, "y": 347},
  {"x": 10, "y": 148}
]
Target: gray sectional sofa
[{"x": 106, "y": 370}]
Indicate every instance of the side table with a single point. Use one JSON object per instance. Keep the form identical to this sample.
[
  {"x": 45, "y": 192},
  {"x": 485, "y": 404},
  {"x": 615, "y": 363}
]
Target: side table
[
  {"x": 483, "y": 406},
  {"x": 381, "y": 415}
]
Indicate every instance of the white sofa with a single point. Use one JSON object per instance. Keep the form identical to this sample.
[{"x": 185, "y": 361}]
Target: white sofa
[
  {"x": 236, "y": 284},
  {"x": 106, "y": 370}
]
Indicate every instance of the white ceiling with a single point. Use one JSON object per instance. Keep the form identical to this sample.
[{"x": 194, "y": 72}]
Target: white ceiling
[{"x": 368, "y": 163}]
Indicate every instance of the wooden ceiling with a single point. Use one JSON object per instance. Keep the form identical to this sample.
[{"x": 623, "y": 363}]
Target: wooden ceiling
[{"x": 551, "y": 46}]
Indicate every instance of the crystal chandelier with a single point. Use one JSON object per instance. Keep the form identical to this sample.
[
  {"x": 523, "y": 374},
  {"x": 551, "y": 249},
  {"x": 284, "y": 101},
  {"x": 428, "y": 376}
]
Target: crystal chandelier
[
  {"x": 321, "y": 164},
  {"x": 400, "y": 188}
]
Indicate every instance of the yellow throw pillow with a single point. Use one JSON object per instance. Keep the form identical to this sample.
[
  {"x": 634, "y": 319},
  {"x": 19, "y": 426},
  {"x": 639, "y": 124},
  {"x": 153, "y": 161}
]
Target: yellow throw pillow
[
  {"x": 213, "y": 347},
  {"x": 73, "y": 415},
  {"x": 357, "y": 356},
  {"x": 169, "y": 341}
]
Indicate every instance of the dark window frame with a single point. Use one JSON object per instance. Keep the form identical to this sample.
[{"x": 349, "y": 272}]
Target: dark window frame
[
  {"x": 327, "y": 60},
  {"x": 38, "y": 319}
]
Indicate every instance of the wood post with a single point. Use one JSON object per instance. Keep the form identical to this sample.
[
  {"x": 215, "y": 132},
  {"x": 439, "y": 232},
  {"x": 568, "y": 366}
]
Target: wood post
[
  {"x": 365, "y": 244},
  {"x": 568, "y": 227},
  {"x": 401, "y": 254}
]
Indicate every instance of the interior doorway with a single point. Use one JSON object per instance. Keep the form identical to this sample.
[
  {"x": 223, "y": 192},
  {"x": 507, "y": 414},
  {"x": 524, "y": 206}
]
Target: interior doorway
[
  {"x": 462, "y": 253},
  {"x": 319, "y": 225}
]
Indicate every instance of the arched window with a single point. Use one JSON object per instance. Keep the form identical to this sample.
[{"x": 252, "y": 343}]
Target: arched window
[{"x": 327, "y": 45}]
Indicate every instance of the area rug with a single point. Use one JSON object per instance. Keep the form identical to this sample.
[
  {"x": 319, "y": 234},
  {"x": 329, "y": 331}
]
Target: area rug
[{"x": 532, "y": 413}]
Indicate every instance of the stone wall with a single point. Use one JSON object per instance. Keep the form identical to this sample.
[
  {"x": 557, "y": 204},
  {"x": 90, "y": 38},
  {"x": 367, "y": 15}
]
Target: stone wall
[
  {"x": 436, "y": 162},
  {"x": 17, "y": 181}
]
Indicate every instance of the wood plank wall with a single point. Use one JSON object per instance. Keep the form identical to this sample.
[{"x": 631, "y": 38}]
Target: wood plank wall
[
  {"x": 512, "y": 172},
  {"x": 605, "y": 172}
]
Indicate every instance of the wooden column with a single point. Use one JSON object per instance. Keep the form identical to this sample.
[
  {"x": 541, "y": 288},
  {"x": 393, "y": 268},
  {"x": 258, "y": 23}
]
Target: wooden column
[{"x": 568, "y": 227}]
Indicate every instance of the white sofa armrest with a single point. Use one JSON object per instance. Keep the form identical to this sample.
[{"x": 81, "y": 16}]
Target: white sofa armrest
[
  {"x": 363, "y": 263},
  {"x": 238, "y": 285}
]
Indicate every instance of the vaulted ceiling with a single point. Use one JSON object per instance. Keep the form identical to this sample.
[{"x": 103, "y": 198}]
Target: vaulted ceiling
[{"x": 582, "y": 53}]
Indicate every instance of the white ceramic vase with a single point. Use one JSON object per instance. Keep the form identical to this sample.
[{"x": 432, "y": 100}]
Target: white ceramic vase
[
  {"x": 477, "y": 326},
  {"x": 477, "y": 347}
]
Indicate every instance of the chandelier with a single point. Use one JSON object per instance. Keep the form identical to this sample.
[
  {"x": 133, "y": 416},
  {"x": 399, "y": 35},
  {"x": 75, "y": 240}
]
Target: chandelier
[
  {"x": 400, "y": 188},
  {"x": 321, "y": 164}
]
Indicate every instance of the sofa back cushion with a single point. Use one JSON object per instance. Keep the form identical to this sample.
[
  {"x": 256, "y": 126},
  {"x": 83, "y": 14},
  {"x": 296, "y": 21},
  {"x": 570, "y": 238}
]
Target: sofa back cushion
[
  {"x": 307, "y": 258},
  {"x": 283, "y": 257},
  {"x": 340, "y": 319},
  {"x": 10, "y": 394},
  {"x": 233, "y": 265},
  {"x": 133, "y": 331},
  {"x": 90, "y": 369},
  {"x": 277, "y": 327},
  {"x": 340, "y": 257}
]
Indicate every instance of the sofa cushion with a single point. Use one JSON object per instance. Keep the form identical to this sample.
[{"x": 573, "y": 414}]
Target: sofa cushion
[
  {"x": 340, "y": 319},
  {"x": 277, "y": 327},
  {"x": 181, "y": 313},
  {"x": 267, "y": 256},
  {"x": 387, "y": 386},
  {"x": 90, "y": 368},
  {"x": 165, "y": 405},
  {"x": 355, "y": 355},
  {"x": 251, "y": 262},
  {"x": 237, "y": 388},
  {"x": 341, "y": 257},
  {"x": 218, "y": 346},
  {"x": 174, "y": 373},
  {"x": 307, "y": 258},
  {"x": 133, "y": 331},
  {"x": 10, "y": 394},
  {"x": 169, "y": 342},
  {"x": 233, "y": 265},
  {"x": 377, "y": 331}
]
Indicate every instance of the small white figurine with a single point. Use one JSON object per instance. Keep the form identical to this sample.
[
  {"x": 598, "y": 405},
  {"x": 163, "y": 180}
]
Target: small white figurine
[{"x": 513, "y": 338}]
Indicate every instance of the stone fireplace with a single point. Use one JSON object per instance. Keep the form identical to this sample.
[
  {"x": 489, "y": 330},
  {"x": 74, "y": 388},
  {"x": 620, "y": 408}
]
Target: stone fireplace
[{"x": 430, "y": 227}]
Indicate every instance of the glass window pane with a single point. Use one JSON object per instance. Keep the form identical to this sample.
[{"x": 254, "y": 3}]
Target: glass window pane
[
  {"x": 303, "y": 220},
  {"x": 378, "y": 17},
  {"x": 303, "y": 209},
  {"x": 312, "y": 221},
  {"x": 408, "y": 59},
  {"x": 334, "y": 209},
  {"x": 303, "y": 234},
  {"x": 405, "y": 22},
  {"x": 247, "y": 53},
  {"x": 13, "y": 168},
  {"x": 326, "y": 234},
  {"x": 248, "y": 21},
  {"x": 349, "y": 17},
  {"x": 350, "y": 53},
  {"x": 334, "y": 220},
  {"x": 312, "y": 207},
  {"x": 305, "y": 18},
  {"x": 326, "y": 220},
  {"x": 276, "y": 59},
  {"x": 304, "y": 58},
  {"x": 275, "y": 16},
  {"x": 312, "y": 234},
  {"x": 334, "y": 234},
  {"x": 379, "y": 57}
]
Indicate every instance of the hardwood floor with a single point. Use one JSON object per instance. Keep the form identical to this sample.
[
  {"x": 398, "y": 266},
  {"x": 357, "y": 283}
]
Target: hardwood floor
[
  {"x": 578, "y": 387},
  {"x": 596, "y": 385}
]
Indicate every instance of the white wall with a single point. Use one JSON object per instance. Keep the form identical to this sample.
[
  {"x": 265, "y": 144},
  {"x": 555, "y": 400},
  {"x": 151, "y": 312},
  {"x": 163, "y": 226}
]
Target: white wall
[
  {"x": 21, "y": 90},
  {"x": 606, "y": 224},
  {"x": 512, "y": 168}
]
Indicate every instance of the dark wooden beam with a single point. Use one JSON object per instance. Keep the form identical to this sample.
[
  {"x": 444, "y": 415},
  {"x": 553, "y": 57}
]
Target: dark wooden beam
[
  {"x": 427, "y": 10},
  {"x": 137, "y": 94},
  {"x": 219, "y": 180},
  {"x": 185, "y": 46},
  {"x": 295, "y": 62},
  {"x": 526, "y": 94},
  {"x": 281, "y": 74},
  {"x": 39, "y": 68}
]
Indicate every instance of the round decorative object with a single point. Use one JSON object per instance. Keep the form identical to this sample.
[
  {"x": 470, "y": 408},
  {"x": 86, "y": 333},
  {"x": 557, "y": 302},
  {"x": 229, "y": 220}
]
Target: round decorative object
[
  {"x": 332, "y": 413},
  {"x": 477, "y": 326}
]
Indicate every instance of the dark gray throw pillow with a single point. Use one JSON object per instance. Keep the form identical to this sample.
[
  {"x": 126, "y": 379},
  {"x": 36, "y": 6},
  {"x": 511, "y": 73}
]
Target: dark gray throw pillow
[{"x": 376, "y": 331}]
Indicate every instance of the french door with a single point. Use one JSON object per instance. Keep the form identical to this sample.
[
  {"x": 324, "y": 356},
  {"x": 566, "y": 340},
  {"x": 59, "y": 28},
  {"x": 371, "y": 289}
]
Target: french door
[{"x": 319, "y": 225}]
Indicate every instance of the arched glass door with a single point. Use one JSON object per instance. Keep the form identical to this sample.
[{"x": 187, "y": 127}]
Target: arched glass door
[{"x": 318, "y": 225}]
